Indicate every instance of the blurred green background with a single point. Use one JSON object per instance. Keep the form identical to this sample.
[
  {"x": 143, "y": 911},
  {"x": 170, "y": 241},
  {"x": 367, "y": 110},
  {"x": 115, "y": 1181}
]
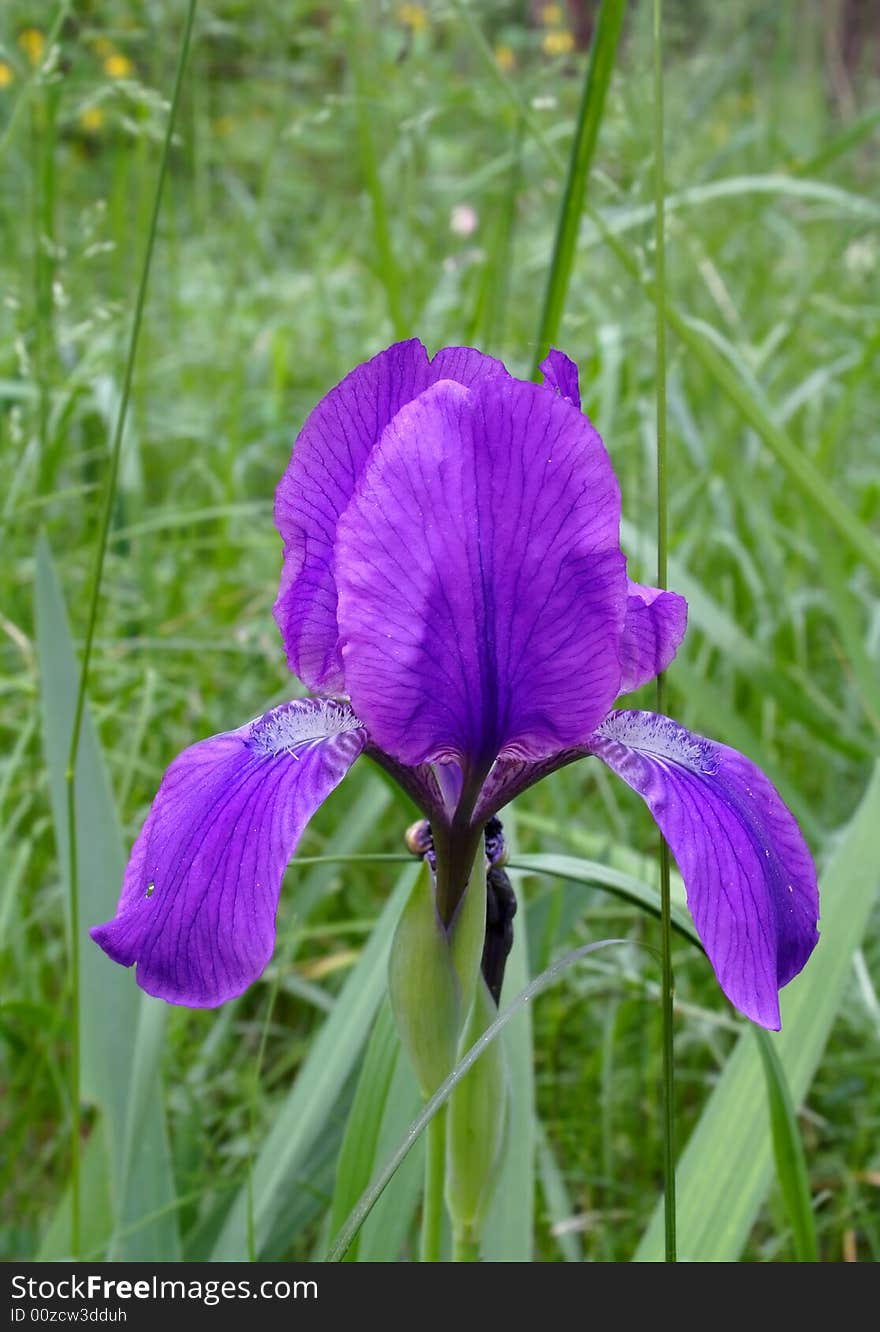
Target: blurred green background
[{"x": 344, "y": 174}]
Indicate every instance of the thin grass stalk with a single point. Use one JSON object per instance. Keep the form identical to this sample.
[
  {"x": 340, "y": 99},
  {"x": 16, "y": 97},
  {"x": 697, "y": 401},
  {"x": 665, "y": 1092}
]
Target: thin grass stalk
[
  {"x": 662, "y": 537},
  {"x": 602, "y": 53},
  {"x": 97, "y": 576}
]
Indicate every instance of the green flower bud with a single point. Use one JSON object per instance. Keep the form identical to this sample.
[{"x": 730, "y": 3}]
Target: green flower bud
[{"x": 426, "y": 995}]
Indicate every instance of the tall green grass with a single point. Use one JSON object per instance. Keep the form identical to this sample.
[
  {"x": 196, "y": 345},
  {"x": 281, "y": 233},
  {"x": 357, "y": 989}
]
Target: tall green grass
[{"x": 270, "y": 279}]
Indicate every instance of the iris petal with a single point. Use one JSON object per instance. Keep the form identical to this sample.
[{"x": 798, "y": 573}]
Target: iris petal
[
  {"x": 655, "y": 625},
  {"x": 199, "y": 896},
  {"x": 561, "y": 374},
  {"x": 327, "y": 460},
  {"x": 481, "y": 585},
  {"x": 750, "y": 879}
]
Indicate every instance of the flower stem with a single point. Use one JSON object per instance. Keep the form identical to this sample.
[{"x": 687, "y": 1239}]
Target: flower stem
[
  {"x": 662, "y": 508},
  {"x": 465, "y": 1246},
  {"x": 435, "y": 1178}
]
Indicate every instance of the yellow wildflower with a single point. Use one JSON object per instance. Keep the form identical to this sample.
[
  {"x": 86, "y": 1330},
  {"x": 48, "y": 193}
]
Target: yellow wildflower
[
  {"x": 505, "y": 58},
  {"x": 558, "y": 43},
  {"x": 118, "y": 66},
  {"x": 551, "y": 16},
  {"x": 6, "y": 74},
  {"x": 413, "y": 16},
  {"x": 91, "y": 119},
  {"x": 33, "y": 43}
]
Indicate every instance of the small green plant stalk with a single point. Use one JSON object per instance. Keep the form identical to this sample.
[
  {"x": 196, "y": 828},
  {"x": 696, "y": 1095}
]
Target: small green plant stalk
[{"x": 441, "y": 1006}]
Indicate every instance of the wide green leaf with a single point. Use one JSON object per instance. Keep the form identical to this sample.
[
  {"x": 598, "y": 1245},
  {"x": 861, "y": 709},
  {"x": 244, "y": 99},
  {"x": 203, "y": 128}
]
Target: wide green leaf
[
  {"x": 121, "y": 1028},
  {"x": 321, "y": 1079}
]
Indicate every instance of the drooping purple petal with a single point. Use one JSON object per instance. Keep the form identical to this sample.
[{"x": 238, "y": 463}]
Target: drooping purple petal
[
  {"x": 750, "y": 879},
  {"x": 481, "y": 585},
  {"x": 328, "y": 458},
  {"x": 198, "y": 902},
  {"x": 655, "y": 625},
  {"x": 561, "y": 373}
]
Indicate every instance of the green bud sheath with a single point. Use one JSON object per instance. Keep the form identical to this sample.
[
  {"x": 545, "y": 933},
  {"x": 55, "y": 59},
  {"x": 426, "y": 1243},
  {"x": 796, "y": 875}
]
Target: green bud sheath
[
  {"x": 426, "y": 995},
  {"x": 477, "y": 1113},
  {"x": 466, "y": 934}
]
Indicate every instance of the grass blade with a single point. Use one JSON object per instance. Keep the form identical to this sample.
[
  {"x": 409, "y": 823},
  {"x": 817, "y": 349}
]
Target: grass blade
[
  {"x": 788, "y": 1153},
  {"x": 354, "y": 1169},
  {"x": 802, "y": 470},
  {"x": 598, "y": 77},
  {"x": 384, "y": 1234},
  {"x": 557, "y": 1201},
  {"x": 120, "y": 1071},
  {"x": 592, "y": 874},
  {"x": 322, "y": 1077}
]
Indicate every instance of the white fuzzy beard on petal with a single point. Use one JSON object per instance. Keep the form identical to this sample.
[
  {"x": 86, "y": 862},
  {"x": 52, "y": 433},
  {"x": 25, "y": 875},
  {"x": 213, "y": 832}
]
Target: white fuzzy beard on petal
[
  {"x": 302, "y": 722},
  {"x": 661, "y": 737}
]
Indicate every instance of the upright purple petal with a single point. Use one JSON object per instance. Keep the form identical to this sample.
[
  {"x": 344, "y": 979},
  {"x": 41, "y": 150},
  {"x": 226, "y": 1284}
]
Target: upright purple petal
[
  {"x": 655, "y": 625},
  {"x": 561, "y": 373},
  {"x": 481, "y": 586},
  {"x": 750, "y": 879},
  {"x": 199, "y": 896},
  {"x": 328, "y": 458}
]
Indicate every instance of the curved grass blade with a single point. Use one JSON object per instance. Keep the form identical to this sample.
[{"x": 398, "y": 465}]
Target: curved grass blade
[{"x": 592, "y": 874}]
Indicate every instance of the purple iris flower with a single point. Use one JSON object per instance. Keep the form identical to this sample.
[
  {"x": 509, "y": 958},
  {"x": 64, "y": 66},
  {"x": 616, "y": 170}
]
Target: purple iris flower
[{"x": 455, "y": 597}]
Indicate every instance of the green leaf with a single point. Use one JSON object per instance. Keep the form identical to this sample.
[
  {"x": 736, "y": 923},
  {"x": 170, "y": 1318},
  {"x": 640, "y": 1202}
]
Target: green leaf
[
  {"x": 788, "y": 1153},
  {"x": 385, "y": 1229},
  {"x": 425, "y": 991},
  {"x": 801, "y": 468},
  {"x": 556, "y": 1199},
  {"x": 320, "y": 1081},
  {"x": 121, "y": 1028},
  {"x": 598, "y": 77},
  {"x": 357, "y": 1157},
  {"x": 96, "y": 1218},
  {"x": 591, "y": 873},
  {"x": 727, "y": 1166}
]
